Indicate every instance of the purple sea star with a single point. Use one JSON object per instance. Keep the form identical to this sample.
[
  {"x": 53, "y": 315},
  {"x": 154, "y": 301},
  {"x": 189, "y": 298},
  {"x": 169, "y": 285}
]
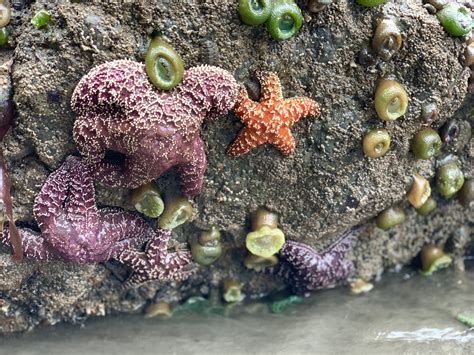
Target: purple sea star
[
  {"x": 72, "y": 228},
  {"x": 157, "y": 263},
  {"x": 305, "y": 269},
  {"x": 121, "y": 111}
]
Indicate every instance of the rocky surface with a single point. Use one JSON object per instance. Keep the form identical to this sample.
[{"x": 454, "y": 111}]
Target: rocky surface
[{"x": 324, "y": 188}]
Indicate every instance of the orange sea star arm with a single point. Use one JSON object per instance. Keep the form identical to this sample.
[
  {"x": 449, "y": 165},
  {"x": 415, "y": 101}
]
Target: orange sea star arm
[
  {"x": 270, "y": 86},
  {"x": 296, "y": 108},
  {"x": 246, "y": 140},
  {"x": 284, "y": 141},
  {"x": 245, "y": 107}
]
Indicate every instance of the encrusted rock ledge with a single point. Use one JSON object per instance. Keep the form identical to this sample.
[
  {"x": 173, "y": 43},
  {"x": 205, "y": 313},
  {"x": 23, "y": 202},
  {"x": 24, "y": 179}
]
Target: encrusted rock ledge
[{"x": 324, "y": 188}]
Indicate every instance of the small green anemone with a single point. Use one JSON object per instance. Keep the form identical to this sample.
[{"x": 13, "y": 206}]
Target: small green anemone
[
  {"x": 163, "y": 65},
  {"x": 206, "y": 248},
  {"x": 255, "y": 12},
  {"x": 285, "y": 19},
  {"x": 449, "y": 179},
  {"x": 147, "y": 200},
  {"x": 456, "y": 19},
  {"x": 41, "y": 19},
  {"x": 177, "y": 211}
]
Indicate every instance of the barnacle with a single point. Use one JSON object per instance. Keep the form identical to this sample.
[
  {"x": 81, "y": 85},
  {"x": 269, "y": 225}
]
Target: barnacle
[
  {"x": 426, "y": 144},
  {"x": 255, "y": 12},
  {"x": 376, "y": 142},
  {"x": 178, "y": 210},
  {"x": 206, "y": 247},
  {"x": 285, "y": 19},
  {"x": 429, "y": 112},
  {"x": 456, "y": 19},
  {"x": 449, "y": 179},
  {"x": 147, "y": 200},
  {"x": 390, "y": 218},
  {"x": 391, "y": 100},
  {"x": 163, "y": 64},
  {"x": 387, "y": 39},
  {"x": 433, "y": 258},
  {"x": 419, "y": 192}
]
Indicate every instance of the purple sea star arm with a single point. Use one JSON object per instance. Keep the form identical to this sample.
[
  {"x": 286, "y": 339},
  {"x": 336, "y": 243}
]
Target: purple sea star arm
[
  {"x": 34, "y": 246},
  {"x": 191, "y": 173},
  {"x": 49, "y": 202},
  {"x": 132, "y": 174},
  {"x": 128, "y": 229},
  {"x": 306, "y": 269},
  {"x": 156, "y": 262}
]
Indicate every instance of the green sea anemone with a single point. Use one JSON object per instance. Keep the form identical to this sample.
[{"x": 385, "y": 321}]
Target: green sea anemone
[
  {"x": 390, "y": 218},
  {"x": 391, "y": 100},
  {"x": 426, "y": 144},
  {"x": 41, "y": 19},
  {"x": 428, "y": 207},
  {"x": 163, "y": 65},
  {"x": 147, "y": 200},
  {"x": 255, "y": 12},
  {"x": 370, "y": 3},
  {"x": 285, "y": 19},
  {"x": 178, "y": 210},
  {"x": 376, "y": 143},
  {"x": 433, "y": 258},
  {"x": 387, "y": 39},
  {"x": 456, "y": 19},
  {"x": 206, "y": 248},
  {"x": 449, "y": 179}
]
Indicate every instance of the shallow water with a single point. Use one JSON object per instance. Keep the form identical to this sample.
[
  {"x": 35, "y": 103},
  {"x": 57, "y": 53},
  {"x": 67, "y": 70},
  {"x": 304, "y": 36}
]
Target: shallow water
[{"x": 405, "y": 313}]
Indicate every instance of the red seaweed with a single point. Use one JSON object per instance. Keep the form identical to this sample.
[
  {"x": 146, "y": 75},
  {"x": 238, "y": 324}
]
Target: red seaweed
[{"x": 5, "y": 196}]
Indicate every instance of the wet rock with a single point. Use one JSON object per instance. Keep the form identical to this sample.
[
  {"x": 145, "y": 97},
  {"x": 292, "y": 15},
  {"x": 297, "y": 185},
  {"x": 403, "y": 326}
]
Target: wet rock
[{"x": 322, "y": 189}]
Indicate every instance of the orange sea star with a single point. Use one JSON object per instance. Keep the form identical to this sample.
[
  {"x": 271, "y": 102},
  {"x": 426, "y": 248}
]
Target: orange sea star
[{"x": 270, "y": 119}]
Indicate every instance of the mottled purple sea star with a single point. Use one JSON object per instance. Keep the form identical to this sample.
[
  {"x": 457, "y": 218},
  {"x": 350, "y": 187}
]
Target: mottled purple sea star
[
  {"x": 72, "y": 228},
  {"x": 304, "y": 269},
  {"x": 121, "y": 111}
]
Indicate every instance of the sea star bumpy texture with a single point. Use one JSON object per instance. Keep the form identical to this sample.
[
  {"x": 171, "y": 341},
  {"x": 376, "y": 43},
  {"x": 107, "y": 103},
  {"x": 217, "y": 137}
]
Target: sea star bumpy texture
[
  {"x": 271, "y": 119},
  {"x": 72, "y": 228},
  {"x": 120, "y": 110},
  {"x": 157, "y": 263},
  {"x": 304, "y": 269}
]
